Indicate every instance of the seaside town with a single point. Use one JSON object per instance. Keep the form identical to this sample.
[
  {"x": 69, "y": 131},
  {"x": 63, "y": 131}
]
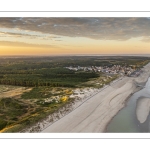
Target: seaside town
[{"x": 130, "y": 71}]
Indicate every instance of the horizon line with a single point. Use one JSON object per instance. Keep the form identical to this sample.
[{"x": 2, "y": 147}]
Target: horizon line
[{"x": 146, "y": 55}]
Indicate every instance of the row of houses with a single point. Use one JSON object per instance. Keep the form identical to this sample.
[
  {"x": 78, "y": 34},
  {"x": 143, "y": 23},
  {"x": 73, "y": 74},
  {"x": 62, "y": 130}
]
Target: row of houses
[{"x": 115, "y": 69}]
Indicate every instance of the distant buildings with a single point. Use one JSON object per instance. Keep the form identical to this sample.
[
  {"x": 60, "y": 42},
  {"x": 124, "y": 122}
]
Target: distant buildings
[{"x": 115, "y": 69}]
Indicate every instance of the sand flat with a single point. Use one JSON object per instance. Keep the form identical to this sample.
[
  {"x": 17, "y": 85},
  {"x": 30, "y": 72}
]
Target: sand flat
[{"x": 142, "y": 109}]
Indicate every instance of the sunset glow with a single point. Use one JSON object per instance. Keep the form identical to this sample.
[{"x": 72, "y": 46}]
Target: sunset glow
[{"x": 74, "y": 36}]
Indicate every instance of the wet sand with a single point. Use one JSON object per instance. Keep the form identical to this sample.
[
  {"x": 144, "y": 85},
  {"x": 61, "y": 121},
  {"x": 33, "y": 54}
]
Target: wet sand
[{"x": 142, "y": 109}]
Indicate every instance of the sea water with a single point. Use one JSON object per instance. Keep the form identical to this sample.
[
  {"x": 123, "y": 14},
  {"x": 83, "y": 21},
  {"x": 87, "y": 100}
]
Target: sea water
[{"x": 126, "y": 120}]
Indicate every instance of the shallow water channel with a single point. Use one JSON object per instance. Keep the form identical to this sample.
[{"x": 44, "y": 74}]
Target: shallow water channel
[{"x": 126, "y": 120}]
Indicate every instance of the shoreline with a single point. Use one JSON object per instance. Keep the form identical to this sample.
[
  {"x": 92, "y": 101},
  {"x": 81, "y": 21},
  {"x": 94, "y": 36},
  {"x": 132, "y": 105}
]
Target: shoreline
[
  {"x": 127, "y": 99},
  {"x": 55, "y": 127},
  {"x": 125, "y": 102},
  {"x": 74, "y": 105},
  {"x": 95, "y": 112}
]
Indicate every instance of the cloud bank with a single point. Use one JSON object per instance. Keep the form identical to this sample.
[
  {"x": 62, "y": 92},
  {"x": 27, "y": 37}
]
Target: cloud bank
[{"x": 95, "y": 28}]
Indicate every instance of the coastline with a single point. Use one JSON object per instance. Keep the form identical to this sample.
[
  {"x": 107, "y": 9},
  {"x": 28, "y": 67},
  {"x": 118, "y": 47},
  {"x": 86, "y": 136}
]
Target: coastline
[
  {"x": 125, "y": 102},
  {"x": 142, "y": 79},
  {"x": 73, "y": 105},
  {"x": 94, "y": 113}
]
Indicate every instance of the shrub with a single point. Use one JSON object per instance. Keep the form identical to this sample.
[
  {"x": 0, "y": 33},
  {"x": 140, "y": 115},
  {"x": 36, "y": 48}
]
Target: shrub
[{"x": 3, "y": 124}]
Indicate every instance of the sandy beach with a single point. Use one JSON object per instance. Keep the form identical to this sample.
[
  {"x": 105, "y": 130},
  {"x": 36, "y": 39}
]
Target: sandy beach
[{"x": 95, "y": 113}]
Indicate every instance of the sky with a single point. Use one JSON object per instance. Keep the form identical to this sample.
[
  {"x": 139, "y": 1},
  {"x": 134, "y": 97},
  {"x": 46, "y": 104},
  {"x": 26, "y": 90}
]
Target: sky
[{"x": 74, "y": 36}]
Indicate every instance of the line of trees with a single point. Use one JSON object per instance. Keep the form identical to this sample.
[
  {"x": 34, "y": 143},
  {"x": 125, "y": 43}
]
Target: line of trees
[{"x": 31, "y": 83}]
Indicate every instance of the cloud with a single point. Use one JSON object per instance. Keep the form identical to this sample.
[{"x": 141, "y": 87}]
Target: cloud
[
  {"x": 22, "y": 44},
  {"x": 146, "y": 39},
  {"x": 95, "y": 28},
  {"x": 13, "y": 34},
  {"x": 58, "y": 40}
]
